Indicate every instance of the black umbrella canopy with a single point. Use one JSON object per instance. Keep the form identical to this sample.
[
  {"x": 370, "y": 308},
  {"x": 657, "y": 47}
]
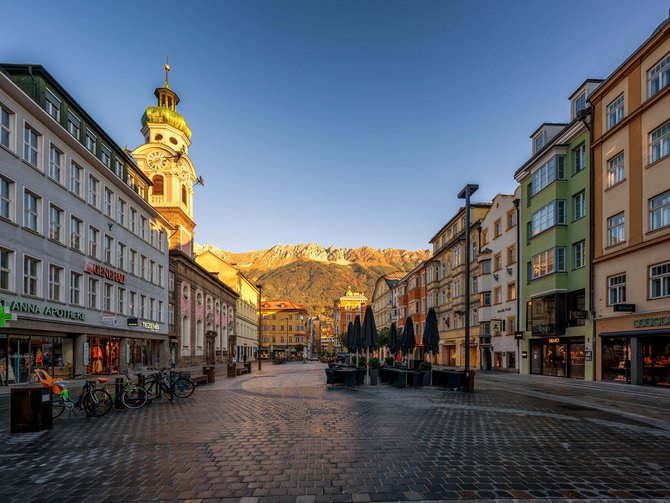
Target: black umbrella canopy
[
  {"x": 408, "y": 339},
  {"x": 347, "y": 337},
  {"x": 356, "y": 339},
  {"x": 431, "y": 337},
  {"x": 369, "y": 329},
  {"x": 393, "y": 339}
]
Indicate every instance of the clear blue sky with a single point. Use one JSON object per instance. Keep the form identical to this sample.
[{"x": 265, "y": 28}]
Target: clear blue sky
[{"x": 345, "y": 123}]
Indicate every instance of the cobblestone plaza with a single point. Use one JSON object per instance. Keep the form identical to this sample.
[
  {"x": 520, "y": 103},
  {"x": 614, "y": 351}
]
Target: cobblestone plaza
[{"x": 279, "y": 435}]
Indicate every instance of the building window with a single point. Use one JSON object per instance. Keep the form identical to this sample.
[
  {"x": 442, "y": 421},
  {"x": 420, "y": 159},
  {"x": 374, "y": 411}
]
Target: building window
[
  {"x": 132, "y": 304},
  {"x": 55, "y": 222},
  {"x": 107, "y": 297},
  {"x": 578, "y": 159},
  {"x": 93, "y": 234},
  {"x": 485, "y": 237},
  {"x": 75, "y": 288},
  {"x": 55, "y": 163},
  {"x": 616, "y": 289},
  {"x": 485, "y": 298},
  {"x": 538, "y": 143},
  {"x": 121, "y": 212},
  {"x": 75, "y": 178},
  {"x": 578, "y": 205},
  {"x": 171, "y": 281},
  {"x": 76, "y": 226},
  {"x": 615, "y": 170},
  {"x": 497, "y": 228},
  {"x": 107, "y": 202},
  {"x": 107, "y": 249},
  {"x": 93, "y": 184},
  {"x": 497, "y": 295},
  {"x": 6, "y": 198},
  {"x": 485, "y": 267},
  {"x": 659, "y": 281},
  {"x": 511, "y": 219},
  {"x": 552, "y": 170},
  {"x": 184, "y": 198},
  {"x": 511, "y": 255},
  {"x": 659, "y": 211},
  {"x": 511, "y": 291},
  {"x": 121, "y": 300},
  {"x": 6, "y": 118},
  {"x": 31, "y": 210},
  {"x": 659, "y": 76},
  {"x": 152, "y": 266},
  {"x": 52, "y": 105},
  {"x": 132, "y": 265},
  {"x": 106, "y": 156},
  {"x": 159, "y": 314},
  {"x": 659, "y": 142},
  {"x": 547, "y": 262},
  {"x": 90, "y": 141},
  {"x": 615, "y": 112},
  {"x": 143, "y": 228},
  {"x": 31, "y": 276},
  {"x": 158, "y": 185},
  {"x": 143, "y": 267},
  {"x": 578, "y": 255},
  {"x": 30, "y": 145},
  {"x": 152, "y": 308},
  {"x": 616, "y": 232},
  {"x": 160, "y": 275},
  {"x": 118, "y": 168},
  {"x": 548, "y": 216},
  {"x": 73, "y": 125},
  {"x": 133, "y": 219},
  {"x": 143, "y": 301},
  {"x": 6, "y": 268},
  {"x": 580, "y": 103},
  {"x": 55, "y": 282},
  {"x": 497, "y": 261},
  {"x": 93, "y": 293},
  {"x": 121, "y": 256}
]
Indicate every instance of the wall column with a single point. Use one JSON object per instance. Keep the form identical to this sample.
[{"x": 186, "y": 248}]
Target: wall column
[{"x": 79, "y": 367}]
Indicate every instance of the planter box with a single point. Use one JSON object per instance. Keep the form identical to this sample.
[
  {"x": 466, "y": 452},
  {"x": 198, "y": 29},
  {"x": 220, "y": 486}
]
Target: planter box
[{"x": 374, "y": 376}]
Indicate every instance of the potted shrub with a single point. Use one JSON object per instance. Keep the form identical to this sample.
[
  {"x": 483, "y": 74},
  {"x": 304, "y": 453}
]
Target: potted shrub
[
  {"x": 426, "y": 368},
  {"x": 373, "y": 363},
  {"x": 388, "y": 361}
]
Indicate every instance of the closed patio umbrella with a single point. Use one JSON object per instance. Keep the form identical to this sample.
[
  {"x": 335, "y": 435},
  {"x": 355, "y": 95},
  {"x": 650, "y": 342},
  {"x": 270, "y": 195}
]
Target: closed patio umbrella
[
  {"x": 431, "y": 337},
  {"x": 347, "y": 336},
  {"x": 408, "y": 339},
  {"x": 369, "y": 337},
  {"x": 356, "y": 339}
]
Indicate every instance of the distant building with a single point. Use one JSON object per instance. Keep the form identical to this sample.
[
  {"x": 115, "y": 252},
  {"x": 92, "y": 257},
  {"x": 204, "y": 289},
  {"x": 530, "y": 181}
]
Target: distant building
[
  {"x": 386, "y": 312},
  {"x": 346, "y": 308},
  {"x": 246, "y": 319},
  {"x": 284, "y": 328},
  {"x": 412, "y": 302}
]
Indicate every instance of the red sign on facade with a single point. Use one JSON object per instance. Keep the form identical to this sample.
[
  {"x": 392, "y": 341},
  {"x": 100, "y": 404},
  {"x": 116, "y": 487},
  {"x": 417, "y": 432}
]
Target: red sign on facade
[{"x": 104, "y": 272}]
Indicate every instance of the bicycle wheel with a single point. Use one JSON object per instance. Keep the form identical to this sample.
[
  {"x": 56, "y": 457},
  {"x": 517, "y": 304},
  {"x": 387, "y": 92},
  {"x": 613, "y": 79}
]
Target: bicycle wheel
[
  {"x": 153, "y": 389},
  {"x": 134, "y": 397},
  {"x": 183, "y": 387},
  {"x": 57, "y": 405},
  {"x": 97, "y": 402},
  {"x": 167, "y": 393}
]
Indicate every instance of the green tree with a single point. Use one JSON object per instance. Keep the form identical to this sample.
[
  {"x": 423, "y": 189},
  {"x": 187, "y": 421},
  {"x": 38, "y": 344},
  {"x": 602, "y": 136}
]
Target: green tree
[
  {"x": 299, "y": 348},
  {"x": 383, "y": 337}
]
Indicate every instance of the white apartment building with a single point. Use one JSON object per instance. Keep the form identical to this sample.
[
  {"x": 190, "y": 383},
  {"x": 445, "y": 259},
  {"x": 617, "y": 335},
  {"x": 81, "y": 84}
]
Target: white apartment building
[
  {"x": 83, "y": 255},
  {"x": 497, "y": 285}
]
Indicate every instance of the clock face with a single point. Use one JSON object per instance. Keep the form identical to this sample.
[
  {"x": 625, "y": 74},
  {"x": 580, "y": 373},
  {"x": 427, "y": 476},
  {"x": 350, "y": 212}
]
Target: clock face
[{"x": 157, "y": 160}]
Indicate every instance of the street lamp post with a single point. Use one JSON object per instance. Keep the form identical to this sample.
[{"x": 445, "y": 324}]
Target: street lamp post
[
  {"x": 467, "y": 191},
  {"x": 260, "y": 324}
]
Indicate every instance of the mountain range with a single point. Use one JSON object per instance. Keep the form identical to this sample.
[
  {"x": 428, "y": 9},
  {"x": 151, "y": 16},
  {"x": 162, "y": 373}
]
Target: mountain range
[{"x": 315, "y": 276}]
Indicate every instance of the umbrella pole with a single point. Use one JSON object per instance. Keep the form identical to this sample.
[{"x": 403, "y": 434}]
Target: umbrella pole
[{"x": 367, "y": 362}]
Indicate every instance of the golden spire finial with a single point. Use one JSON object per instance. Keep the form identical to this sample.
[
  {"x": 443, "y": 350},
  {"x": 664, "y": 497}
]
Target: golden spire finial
[{"x": 167, "y": 70}]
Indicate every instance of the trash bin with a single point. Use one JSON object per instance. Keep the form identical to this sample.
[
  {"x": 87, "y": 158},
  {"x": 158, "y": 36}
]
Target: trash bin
[
  {"x": 259, "y": 364},
  {"x": 248, "y": 367},
  {"x": 30, "y": 409},
  {"x": 230, "y": 370},
  {"x": 210, "y": 372},
  {"x": 469, "y": 380}
]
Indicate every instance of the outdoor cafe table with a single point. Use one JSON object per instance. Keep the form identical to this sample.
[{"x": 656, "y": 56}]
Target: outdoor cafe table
[
  {"x": 350, "y": 375},
  {"x": 401, "y": 378}
]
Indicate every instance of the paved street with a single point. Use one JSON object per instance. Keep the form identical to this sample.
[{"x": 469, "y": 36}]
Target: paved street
[{"x": 280, "y": 436}]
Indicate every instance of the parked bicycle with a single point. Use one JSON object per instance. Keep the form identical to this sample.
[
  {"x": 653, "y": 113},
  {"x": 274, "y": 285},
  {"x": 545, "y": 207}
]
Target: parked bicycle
[
  {"x": 157, "y": 385},
  {"x": 130, "y": 395},
  {"x": 181, "y": 384},
  {"x": 93, "y": 401}
]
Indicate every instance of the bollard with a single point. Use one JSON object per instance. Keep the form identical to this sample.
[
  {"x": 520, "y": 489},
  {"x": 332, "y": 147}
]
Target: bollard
[
  {"x": 118, "y": 387},
  {"x": 259, "y": 364}
]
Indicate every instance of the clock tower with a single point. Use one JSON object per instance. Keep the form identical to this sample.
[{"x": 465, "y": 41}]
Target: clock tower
[{"x": 164, "y": 159}]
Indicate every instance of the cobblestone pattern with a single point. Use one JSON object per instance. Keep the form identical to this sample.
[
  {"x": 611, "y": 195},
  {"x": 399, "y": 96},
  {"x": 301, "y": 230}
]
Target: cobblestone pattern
[{"x": 282, "y": 436}]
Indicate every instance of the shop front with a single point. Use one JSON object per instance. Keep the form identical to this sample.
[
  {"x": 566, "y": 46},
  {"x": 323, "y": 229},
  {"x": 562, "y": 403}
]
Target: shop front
[
  {"x": 558, "y": 356},
  {"x": 21, "y": 354},
  {"x": 635, "y": 349}
]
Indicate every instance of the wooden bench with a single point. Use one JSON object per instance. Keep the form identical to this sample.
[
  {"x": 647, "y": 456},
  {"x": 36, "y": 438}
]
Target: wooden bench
[
  {"x": 240, "y": 371},
  {"x": 201, "y": 379}
]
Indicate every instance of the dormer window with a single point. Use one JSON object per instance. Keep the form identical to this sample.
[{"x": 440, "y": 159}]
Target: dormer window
[
  {"x": 538, "y": 142},
  {"x": 579, "y": 103}
]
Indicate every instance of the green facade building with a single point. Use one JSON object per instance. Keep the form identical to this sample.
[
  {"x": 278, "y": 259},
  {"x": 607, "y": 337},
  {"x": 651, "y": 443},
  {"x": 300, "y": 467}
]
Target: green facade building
[{"x": 556, "y": 317}]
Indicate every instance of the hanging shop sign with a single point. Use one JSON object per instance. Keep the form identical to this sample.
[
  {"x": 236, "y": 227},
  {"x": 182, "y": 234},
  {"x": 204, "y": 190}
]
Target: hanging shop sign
[
  {"x": 106, "y": 273},
  {"x": 624, "y": 308},
  {"x": 54, "y": 312},
  {"x": 578, "y": 314},
  {"x": 133, "y": 322},
  {"x": 658, "y": 321}
]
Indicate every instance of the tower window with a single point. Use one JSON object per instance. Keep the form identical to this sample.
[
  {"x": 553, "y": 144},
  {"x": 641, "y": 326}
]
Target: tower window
[
  {"x": 158, "y": 185},
  {"x": 183, "y": 194}
]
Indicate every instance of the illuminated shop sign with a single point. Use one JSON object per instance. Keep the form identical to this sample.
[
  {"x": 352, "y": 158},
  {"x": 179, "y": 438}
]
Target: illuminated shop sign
[
  {"x": 652, "y": 322},
  {"x": 151, "y": 326},
  {"x": 106, "y": 273},
  {"x": 54, "y": 312}
]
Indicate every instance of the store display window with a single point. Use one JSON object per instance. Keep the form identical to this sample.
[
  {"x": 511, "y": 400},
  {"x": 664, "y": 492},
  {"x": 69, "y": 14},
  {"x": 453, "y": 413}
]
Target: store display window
[
  {"x": 20, "y": 355},
  {"x": 103, "y": 355},
  {"x": 616, "y": 359},
  {"x": 656, "y": 352}
]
